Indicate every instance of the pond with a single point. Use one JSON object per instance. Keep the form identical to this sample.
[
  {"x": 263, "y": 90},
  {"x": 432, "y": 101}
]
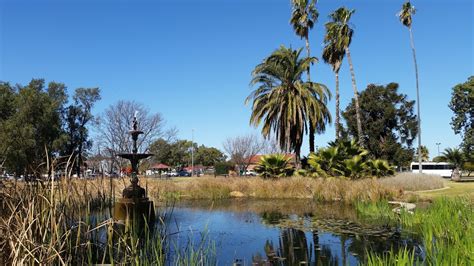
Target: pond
[{"x": 281, "y": 232}]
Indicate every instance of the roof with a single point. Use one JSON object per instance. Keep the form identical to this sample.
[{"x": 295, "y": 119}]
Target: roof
[{"x": 160, "y": 166}]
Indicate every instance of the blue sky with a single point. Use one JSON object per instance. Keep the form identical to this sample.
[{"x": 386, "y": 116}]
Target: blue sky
[{"x": 191, "y": 60}]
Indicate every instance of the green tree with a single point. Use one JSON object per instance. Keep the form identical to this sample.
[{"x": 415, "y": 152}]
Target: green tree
[
  {"x": 78, "y": 115},
  {"x": 462, "y": 105},
  {"x": 340, "y": 33},
  {"x": 30, "y": 129},
  {"x": 333, "y": 55},
  {"x": 161, "y": 150},
  {"x": 303, "y": 18},
  {"x": 7, "y": 109},
  {"x": 405, "y": 16},
  {"x": 208, "y": 156},
  {"x": 283, "y": 102},
  {"x": 389, "y": 123}
]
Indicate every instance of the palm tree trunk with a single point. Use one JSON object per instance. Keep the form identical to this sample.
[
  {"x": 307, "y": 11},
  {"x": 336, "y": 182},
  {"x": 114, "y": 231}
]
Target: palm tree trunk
[
  {"x": 311, "y": 136},
  {"x": 308, "y": 55},
  {"x": 356, "y": 100},
  {"x": 412, "y": 43},
  {"x": 338, "y": 133},
  {"x": 311, "y": 127}
]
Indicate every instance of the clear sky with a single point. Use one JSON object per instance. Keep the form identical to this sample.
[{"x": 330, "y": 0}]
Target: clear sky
[{"x": 191, "y": 60}]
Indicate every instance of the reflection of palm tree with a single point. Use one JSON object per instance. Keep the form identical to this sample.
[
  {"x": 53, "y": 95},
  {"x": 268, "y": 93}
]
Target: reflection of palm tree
[
  {"x": 293, "y": 246},
  {"x": 343, "y": 239}
]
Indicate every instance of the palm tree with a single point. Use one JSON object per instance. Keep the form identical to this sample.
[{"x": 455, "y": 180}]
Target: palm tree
[
  {"x": 341, "y": 37},
  {"x": 283, "y": 102},
  {"x": 425, "y": 154},
  {"x": 303, "y": 18},
  {"x": 333, "y": 55},
  {"x": 405, "y": 18},
  {"x": 456, "y": 157}
]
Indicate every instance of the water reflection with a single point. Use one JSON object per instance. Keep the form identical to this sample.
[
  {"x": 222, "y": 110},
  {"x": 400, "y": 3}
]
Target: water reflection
[{"x": 283, "y": 233}]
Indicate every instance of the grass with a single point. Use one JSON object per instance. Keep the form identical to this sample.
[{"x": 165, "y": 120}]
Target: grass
[
  {"x": 454, "y": 189},
  {"x": 446, "y": 227},
  {"x": 413, "y": 182}
]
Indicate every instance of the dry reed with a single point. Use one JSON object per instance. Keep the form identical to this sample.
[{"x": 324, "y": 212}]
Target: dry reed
[{"x": 413, "y": 182}]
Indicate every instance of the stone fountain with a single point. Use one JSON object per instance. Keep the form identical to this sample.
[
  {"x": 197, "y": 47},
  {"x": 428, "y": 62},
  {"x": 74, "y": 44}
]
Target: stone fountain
[{"x": 134, "y": 203}]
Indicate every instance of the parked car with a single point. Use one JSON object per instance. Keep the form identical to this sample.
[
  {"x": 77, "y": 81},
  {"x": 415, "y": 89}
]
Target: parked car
[
  {"x": 184, "y": 173},
  {"x": 172, "y": 173},
  {"x": 250, "y": 173}
]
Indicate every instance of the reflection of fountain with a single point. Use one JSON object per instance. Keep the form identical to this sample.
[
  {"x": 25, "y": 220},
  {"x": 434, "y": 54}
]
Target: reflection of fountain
[{"x": 134, "y": 202}]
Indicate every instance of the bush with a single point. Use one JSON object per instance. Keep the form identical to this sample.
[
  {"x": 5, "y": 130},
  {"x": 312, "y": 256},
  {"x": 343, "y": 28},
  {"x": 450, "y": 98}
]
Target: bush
[
  {"x": 274, "y": 166},
  {"x": 346, "y": 158},
  {"x": 223, "y": 168}
]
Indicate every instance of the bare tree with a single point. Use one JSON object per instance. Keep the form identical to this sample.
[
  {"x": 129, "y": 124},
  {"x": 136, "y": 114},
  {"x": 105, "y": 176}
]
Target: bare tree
[
  {"x": 242, "y": 149},
  {"x": 115, "y": 123},
  {"x": 271, "y": 146}
]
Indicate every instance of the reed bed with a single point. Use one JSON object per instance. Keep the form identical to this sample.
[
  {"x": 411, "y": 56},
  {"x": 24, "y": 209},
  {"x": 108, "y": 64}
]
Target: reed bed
[
  {"x": 413, "y": 182},
  {"x": 320, "y": 189},
  {"x": 68, "y": 223},
  {"x": 446, "y": 227}
]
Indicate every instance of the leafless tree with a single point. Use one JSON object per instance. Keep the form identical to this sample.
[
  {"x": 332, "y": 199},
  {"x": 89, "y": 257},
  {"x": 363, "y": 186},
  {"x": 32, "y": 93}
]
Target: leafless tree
[
  {"x": 241, "y": 149},
  {"x": 115, "y": 123},
  {"x": 271, "y": 146}
]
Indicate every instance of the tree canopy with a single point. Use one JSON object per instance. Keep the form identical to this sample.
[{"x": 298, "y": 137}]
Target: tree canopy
[
  {"x": 462, "y": 105},
  {"x": 36, "y": 123},
  {"x": 283, "y": 103},
  {"x": 177, "y": 153},
  {"x": 389, "y": 123}
]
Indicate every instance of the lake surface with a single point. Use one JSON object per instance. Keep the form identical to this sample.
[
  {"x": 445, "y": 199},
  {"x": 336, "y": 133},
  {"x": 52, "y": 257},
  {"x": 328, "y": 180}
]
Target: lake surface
[{"x": 281, "y": 232}]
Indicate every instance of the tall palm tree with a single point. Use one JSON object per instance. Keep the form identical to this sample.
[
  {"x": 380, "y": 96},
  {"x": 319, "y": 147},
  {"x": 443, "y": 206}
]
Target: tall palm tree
[
  {"x": 283, "y": 102},
  {"x": 341, "y": 35},
  {"x": 334, "y": 55},
  {"x": 405, "y": 16},
  {"x": 303, "y": 18}
]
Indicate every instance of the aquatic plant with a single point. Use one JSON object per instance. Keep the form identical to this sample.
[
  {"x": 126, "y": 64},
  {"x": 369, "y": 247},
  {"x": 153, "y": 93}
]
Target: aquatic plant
[{"x": 446, "y": 227}]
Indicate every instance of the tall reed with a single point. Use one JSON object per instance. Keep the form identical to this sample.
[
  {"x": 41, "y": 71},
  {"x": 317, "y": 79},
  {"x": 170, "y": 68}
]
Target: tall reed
[
  {"x": 446, "y": 227},
  {"x": 68, "y": 222}
]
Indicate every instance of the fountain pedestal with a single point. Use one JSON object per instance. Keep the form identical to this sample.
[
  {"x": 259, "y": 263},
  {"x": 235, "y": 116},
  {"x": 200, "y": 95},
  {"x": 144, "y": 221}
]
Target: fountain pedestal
[{"x": 127, "y": 211}]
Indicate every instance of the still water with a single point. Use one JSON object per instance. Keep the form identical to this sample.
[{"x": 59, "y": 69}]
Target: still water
[{"x": 281, "y": 232}]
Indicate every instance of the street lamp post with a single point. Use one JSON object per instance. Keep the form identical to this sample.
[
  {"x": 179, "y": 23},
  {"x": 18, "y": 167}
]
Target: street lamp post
[
  {"x": 437, "y": 144},
  {"x": 192, "y": 153}
]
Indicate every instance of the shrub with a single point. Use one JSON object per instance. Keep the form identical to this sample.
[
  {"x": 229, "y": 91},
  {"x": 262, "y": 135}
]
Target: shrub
[
  {"x": 223, "y": 168},
  {"x": 274, "y": 166},
  {"x": 346, "y": 158}
]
